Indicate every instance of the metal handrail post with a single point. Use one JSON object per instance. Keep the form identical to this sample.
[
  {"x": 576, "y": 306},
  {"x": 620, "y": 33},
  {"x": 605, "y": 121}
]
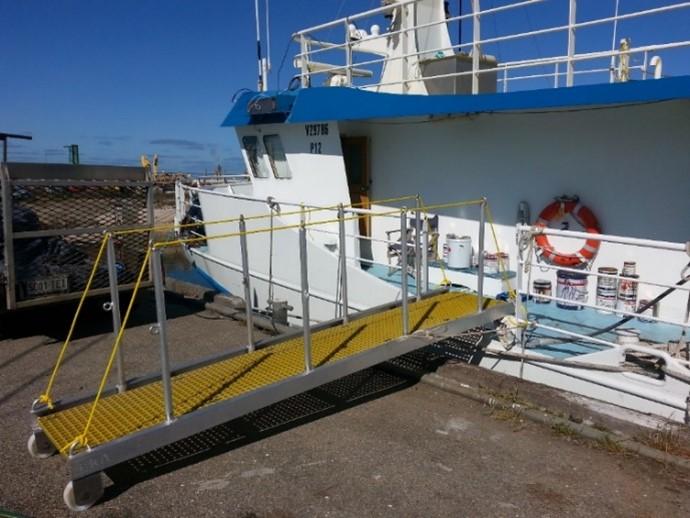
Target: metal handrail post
[
  {"x": 572, "y": 20},
  {"x": 480, "y": 256},
  {"x": 518, "y": 275},
  {"x": 425, "y": 254},
  {"x": 115, "y": 310},
  {"x": 304, "y": 67},
  {"x": 403, "y": 271},
  {"x": 348, "y": 53},
  {"x": 342, "y": 258},
  {"x": 418, "y": 250},
  {"x": 555, "y": 75},
  {"x": 246, "y": 283},
  {"x": 162, "y": 334},
  {"x": 476, "y": 48},
  {"x": 405, "y": 41},
  {"x": 306, "y": 327},
  {"x": 8, "y": 237}
]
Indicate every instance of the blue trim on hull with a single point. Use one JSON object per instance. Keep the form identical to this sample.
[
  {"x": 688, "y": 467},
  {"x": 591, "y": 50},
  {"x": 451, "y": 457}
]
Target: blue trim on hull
[
  {"x": 343, "y": 104},
  {"x": 219, "y": 288}
]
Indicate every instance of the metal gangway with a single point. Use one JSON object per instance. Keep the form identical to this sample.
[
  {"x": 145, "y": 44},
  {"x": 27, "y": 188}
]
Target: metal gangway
[{"x": 135, "y": 416}]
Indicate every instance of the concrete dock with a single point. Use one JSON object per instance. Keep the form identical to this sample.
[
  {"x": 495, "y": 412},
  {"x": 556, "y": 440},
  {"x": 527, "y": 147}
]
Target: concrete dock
[{"x": 377, "y": 443}]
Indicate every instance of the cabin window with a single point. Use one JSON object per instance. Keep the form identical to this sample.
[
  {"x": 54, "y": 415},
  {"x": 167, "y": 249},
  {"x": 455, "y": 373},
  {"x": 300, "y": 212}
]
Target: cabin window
[
  {"x": 276, "y": 155},
  {"x": 251, "y": 147}
]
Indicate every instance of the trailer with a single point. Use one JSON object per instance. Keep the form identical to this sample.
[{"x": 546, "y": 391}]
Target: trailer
[{"x": 52, "y": 220}]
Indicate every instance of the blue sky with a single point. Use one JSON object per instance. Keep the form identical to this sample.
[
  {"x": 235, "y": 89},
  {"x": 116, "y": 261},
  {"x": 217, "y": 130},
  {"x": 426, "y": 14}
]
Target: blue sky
[{"x": 126, "y": 77}]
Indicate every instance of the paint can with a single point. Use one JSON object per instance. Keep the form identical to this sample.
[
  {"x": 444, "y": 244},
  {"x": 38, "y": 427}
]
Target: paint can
[
  {"x": 629, "y": 268},
  {"x": 542, "y": 287},
  {"x": 627, "y": 293},
  {"x": 650, "y": 311},
  {"x": 459, "y": 251},
  {"x": 607, "y": 289},
  {"x": 571, "y": 286},
  {"x": 495, "y": 263}
]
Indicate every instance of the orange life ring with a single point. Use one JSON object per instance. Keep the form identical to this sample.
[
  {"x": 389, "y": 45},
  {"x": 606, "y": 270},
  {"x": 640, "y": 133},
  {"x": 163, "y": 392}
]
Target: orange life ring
[{"x": 584, "y": 217}]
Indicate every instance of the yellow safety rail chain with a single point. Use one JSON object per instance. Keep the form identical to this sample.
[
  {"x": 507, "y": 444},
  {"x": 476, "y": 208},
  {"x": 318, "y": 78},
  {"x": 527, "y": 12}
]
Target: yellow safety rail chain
[
  {"x": 182, "y": 241},
  {"x": 82, "y": 440},
  {"x": 45, "y": 396}
]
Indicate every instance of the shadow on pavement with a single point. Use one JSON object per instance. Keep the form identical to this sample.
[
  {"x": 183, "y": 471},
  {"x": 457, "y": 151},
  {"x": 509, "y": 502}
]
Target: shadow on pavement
[
  {"x": 54, "y": 321},
  {"x": 326, "y": 400}
]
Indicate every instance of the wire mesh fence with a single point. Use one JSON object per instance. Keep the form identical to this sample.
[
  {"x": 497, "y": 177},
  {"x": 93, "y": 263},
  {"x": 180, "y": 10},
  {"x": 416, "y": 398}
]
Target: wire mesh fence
[{"x": 55, "y": 226}]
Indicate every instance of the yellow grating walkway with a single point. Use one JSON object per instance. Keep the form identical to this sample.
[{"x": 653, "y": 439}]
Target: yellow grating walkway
[{"x": 119, "y": 415}]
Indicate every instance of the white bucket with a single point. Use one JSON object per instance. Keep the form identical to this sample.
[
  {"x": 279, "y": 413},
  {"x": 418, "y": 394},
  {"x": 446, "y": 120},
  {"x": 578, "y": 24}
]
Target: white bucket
[
  {"x": 627, "y": 337},
  {"x": 459, "y": 251}
]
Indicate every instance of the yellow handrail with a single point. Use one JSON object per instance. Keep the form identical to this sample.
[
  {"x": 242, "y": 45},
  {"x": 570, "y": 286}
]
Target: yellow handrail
[
  {"x": 82, "y": 439},
  {"x": 45, "y": 396}
]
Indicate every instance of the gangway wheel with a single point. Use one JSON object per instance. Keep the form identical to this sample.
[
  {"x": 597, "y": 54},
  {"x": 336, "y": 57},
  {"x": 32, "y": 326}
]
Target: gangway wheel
[
  {"x": 80, "y": 495},
  {"x": 39, "y": 451}
]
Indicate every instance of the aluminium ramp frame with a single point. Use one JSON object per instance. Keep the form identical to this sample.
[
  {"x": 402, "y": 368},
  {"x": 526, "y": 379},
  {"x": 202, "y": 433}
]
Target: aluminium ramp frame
[{"x": 339, "y": 349}]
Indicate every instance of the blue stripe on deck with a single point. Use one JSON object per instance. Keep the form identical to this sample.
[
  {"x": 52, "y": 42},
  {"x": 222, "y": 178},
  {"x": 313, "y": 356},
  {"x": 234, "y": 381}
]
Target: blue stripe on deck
[{"x": 586, "y": 321}]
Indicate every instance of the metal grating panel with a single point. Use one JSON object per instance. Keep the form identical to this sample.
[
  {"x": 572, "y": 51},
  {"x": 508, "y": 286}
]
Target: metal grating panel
[
  {"x": 122, "y": 414},
  {"x": 79, "y": 206}
]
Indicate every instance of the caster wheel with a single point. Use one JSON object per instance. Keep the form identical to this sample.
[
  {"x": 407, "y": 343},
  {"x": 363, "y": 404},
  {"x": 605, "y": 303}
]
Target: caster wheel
[
  {"x": 84, "y": 501},
  {"x": 32, "y": 446}
]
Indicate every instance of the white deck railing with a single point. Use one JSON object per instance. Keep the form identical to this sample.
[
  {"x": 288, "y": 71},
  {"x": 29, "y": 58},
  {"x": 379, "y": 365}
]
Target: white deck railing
[
  {"x": 619, "y": 62},
  {"x": 529, "y": 258}
]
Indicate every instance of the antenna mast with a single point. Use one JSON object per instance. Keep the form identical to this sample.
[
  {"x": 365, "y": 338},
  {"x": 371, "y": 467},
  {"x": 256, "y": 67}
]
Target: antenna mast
[{"x": 264, "y": 63}]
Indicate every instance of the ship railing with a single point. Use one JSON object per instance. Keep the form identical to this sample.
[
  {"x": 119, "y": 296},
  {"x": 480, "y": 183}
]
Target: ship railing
[
  {"x": 419, "y": 215},
  {"x": 618, "y": 69},
  {"x": 529, "y": 259},
  {"x": 225, "y": 179}
]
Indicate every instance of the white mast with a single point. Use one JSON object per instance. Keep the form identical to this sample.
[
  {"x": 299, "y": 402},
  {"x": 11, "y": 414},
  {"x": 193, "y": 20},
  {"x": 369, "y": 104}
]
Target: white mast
[
  {"x": 260, "y": 82},
  {"x": 267, "y": 59}
]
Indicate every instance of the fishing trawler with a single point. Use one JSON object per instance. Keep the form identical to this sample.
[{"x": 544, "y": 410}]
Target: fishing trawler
[{"x": 572, "y": 169}]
